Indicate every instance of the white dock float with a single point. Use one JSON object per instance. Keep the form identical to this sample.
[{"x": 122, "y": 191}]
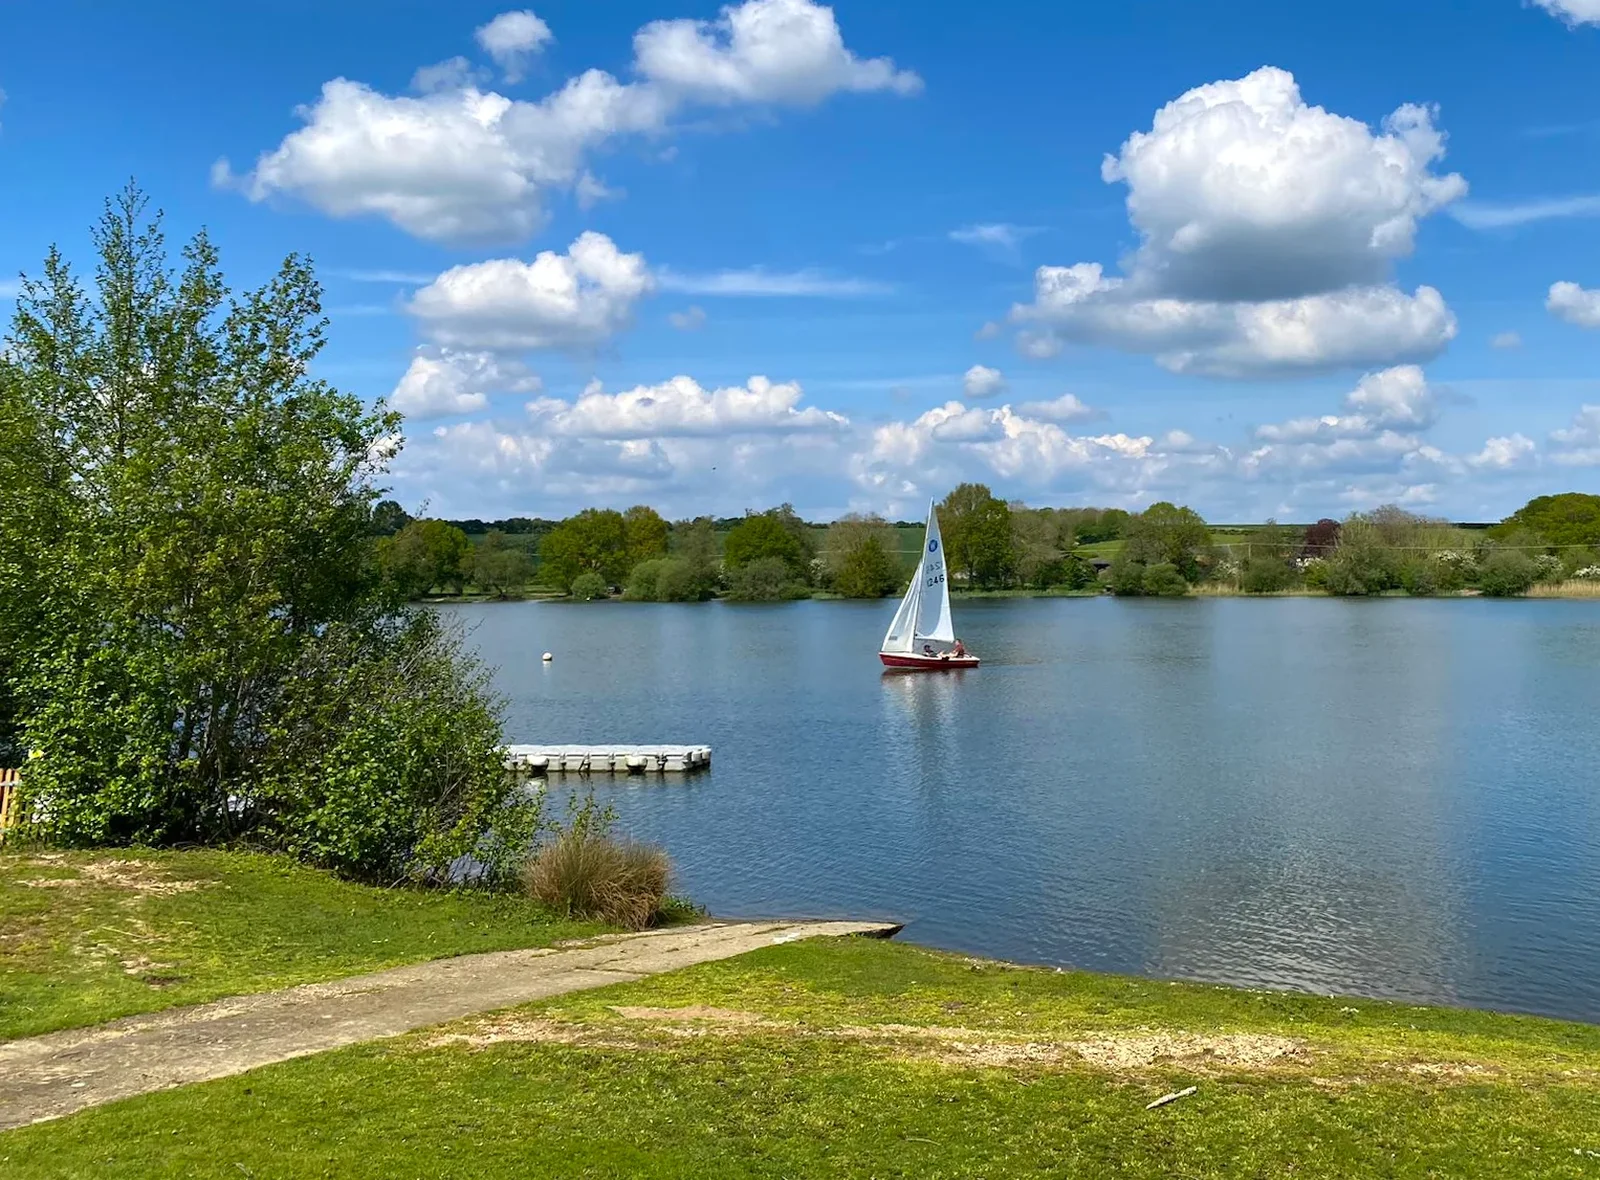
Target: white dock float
[{"x": 607, "y": 759}]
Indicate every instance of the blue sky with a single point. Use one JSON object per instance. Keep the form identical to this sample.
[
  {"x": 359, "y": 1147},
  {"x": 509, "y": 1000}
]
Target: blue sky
[{"x": 715, "y": 258}]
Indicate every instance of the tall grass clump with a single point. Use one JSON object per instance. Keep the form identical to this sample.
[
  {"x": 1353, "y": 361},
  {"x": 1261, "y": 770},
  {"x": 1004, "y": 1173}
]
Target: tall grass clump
[{"x": 584, "y": 871}]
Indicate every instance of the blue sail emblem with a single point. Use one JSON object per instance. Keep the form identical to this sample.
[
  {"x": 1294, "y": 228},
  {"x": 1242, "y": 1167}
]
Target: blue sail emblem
[{"x": 933, "y": 545}]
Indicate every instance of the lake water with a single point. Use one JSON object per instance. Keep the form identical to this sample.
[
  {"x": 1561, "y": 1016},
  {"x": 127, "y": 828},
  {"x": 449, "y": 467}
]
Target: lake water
[{"x": 1393, "y": 798}]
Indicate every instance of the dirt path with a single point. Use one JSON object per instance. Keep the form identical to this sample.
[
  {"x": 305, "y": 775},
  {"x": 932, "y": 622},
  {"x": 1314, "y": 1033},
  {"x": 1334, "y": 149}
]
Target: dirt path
[{"x": 53, "y": 1075}]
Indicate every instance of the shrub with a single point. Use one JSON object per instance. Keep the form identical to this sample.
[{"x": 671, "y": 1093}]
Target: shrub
[
  {"x": 585, "y": 872},
  {"x": 766, "y": 579},
  {"x": 1265, "y": 575},
  {"x": 384, "y": 761},
  {"x": 1506, "y": 572},
  {"x": 1164, "y": 579},
  {"x": 588, "y": 586},
  {"x": 1547, "y": 568},
  {"x": 1420, "y": 577},
  {"x": 1126, "y": 577},
  {"x": 1315, "y": 572}
]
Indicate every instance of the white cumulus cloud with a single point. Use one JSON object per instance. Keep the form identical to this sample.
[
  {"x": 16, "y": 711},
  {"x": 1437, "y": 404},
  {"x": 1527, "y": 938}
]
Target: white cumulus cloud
[
  {"x": 762, "y": 51},
  {"x": 572, "y": 300},
  {"x": 982, "y": 381},
  {"x": 682, "y": 407},
  {"x": 1504, "y": 454},
  {"x": 1578, "y": 445},
  {"x": 1573, "y": 12},
  {"x": 1066, "y": 408},
  {"x": 759, "y": 282},
  {"x": 1268, "y": 229},
  {"x": 511, "y": 39},
  {"x": 1574, "y": 304},
  {"x": 441, "y": 383},
  {"x": 457, "y": 163}
]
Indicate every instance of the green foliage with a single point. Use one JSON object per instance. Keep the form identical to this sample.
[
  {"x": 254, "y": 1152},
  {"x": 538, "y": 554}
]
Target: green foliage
[
  {"x": 859, "y": 554},
  {"x": 593, "y": 541},
  {"x": 1505, "y": 572},
  {"x": 1571, "y": 518},
  {"x": 500, "y": 567},
  {"x": 187, "y": 573},
  {"x": 1165, "y": 580},
  {"x": 695, "y": 543},
  {"x": 1090, "y": 526},
  {"x": 765, "y": 579},
  {"x": 1037, "y": 545},
  {"x": 1126, "y": 576},
  {"x": 588, "y": 587},
  {"x": 1074, "y": 573},
  {"x": 1419, "y": 576},
  {"x": 645, "y": 532},
  {"x": 1266, "y": 575},
  {"x": 383, "y": 761},
  {"x": 388, "y": 518},
  {"x": 1165, "y": 533},
  {"x": 666, "y": 579},
  {"x": 977, "y": 535},
  {"x": 774, "y": 534},
  {"x": 423, "y": 554}
]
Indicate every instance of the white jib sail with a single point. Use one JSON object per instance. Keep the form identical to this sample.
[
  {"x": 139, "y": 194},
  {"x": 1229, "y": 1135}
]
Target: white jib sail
[
  {"x": 901, "y": 635},
  {"x": 933, "y": 608}
]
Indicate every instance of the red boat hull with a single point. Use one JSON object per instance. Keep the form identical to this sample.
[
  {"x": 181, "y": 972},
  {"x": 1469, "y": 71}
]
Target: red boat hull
[{"x": 916, "y": 663}]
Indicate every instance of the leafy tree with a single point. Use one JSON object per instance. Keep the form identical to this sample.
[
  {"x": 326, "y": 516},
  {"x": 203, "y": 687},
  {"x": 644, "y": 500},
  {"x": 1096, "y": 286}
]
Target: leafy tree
[
  {"x": 500, "y": 567},
  {"x": 977, "y": 535},
  {"x": 1506, "y": 572},
  {"x": 1571, "y": 518},
  {"x": 775, "y": 533},
  {"x": 1093, "y": 525},
  {"x": 425, "y": 554},
  {"x": 695, "y": 543},
  {"x": 1126, "y": 576},
  {"x": 1165, "y": 580},
  {"x": 664, "y": 579},
  {"x": 388, "y": 518},
  {"x": 1165, "y": 533},
  {"x": 1036, "y": 546},
  {"x": 1321, "y": 538},
  {"x": 1266, "y": 575},
  {"x": 765, "y": 579},
  {"x": 645, "y": 532},
  {"x": 187, "y": 577},
  {"x": 593, "y": 541},
  {"x": 860, "y": 555},
  {"x": 589, "y": 586}
]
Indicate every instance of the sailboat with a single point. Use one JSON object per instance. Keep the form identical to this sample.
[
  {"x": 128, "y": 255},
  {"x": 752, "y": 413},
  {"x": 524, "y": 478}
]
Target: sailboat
[{"x": 924, "y": 615}]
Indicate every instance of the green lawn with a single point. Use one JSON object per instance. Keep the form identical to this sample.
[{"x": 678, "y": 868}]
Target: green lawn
[
  {"x": 857, "y": 1058},
  {"x": 86, "y": 937}
]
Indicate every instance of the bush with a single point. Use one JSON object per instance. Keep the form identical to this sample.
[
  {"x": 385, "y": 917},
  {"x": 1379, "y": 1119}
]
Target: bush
[
  {"x": 1266, "y": 575},
  {"x": 1420, "y": 576},
  {"x": 588, "y": 586},
  {"x": 1506, "y": 572},
  {"x": 585, "y": 872},
  {"x": 1164, "y": 580},
  {"x": 766, "y": 579},
  {"x": 1125, "y": 578},
  {"x": 384, "y": 761}
]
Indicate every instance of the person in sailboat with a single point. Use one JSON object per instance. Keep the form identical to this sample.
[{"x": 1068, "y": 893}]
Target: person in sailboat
[
  {"x": 959, "y": 650},
  {"x": 927, "y": 650}
]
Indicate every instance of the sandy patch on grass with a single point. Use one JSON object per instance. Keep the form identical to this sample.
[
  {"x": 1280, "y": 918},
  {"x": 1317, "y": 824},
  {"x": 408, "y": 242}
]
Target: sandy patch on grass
[
  {"x": 135, "y": 876},
  {"x": 694, "y": 1012}
]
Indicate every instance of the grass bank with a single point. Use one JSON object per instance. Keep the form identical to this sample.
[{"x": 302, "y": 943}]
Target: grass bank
[
  {"x": 86, "y": 937},
  {"x": 857, "y": 1058}
]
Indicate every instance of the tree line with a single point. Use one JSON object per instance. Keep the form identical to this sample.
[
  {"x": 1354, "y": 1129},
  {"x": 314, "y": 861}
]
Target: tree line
[{"x": 995, "y": 545}]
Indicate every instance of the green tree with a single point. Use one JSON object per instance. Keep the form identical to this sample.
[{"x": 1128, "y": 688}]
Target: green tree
[
  {"x": 500, "y": 567},
  {"x": 645, "y": 532},
  {"x": 695, "y": 543},
  {"x": 977, "y": 535},
  {"x": 775, "y": 533},
  {"x": 860, "y": 555},
  {"x": 1571, "y": 518},
  {"x": 594, "y": 541},
  {"x": 388, "y": 518},
  {"x": 425, "y": 554},
  {"x": 1166, "y": 533},
  {"x": 765, "y": 579},
  {"x": 1506, "y": 572},
  {"x": 186, "y": 565},
  {"x": 588, "y": 587},
  {"x": 1037, "y": 546}
]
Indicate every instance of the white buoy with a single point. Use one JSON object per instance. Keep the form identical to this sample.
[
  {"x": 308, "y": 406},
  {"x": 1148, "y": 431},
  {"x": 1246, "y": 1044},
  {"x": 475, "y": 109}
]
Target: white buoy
[{"x": 548, "y": 657}]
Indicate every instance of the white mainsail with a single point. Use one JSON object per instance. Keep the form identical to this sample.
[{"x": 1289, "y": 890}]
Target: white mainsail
[{"x": 925, "y": 610}]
